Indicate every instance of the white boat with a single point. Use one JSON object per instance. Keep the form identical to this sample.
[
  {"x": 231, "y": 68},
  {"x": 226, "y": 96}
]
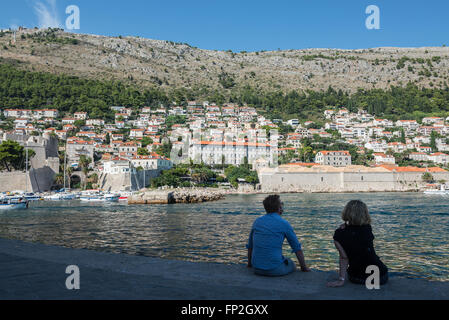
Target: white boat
[
  {"x": 13, "y": 204},
  {"x": 97, "y": 196},
  {"x": 441, "y": 191},
  {"x": 31, "y": 196},
  {"x": 111, "y": 197},
  {"x": 61, "y": 196},
  {"x": 91, "y": 196}
]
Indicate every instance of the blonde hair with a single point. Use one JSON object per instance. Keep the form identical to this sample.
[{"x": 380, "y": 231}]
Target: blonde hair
[{"x": 356, "y": 213}]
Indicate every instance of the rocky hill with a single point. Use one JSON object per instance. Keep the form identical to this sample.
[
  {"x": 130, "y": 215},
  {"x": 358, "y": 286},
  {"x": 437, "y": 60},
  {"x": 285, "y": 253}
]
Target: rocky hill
[{"x": 146, "y": 62}]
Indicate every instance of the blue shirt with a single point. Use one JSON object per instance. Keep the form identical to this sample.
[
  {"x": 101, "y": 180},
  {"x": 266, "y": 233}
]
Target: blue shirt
[{"x": 266, "y": 239}]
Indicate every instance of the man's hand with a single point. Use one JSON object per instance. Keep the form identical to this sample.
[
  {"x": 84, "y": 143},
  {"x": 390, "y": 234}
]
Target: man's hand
[{"x": 335, "y": 284}]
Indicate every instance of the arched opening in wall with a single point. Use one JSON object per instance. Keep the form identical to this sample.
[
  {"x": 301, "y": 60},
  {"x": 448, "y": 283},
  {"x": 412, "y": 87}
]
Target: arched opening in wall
[
  {"x": 362, "y": 178},
  {"x": 75, "y": 181},
  {"x": 322, "y": 179}
]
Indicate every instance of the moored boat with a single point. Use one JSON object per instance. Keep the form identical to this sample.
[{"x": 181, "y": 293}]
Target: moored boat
[
  {"x": 441, "y": 191},
  {"x": 98, "y": 196},
  {"x": 125, "y": 194},
  {"x": 13, "y": 203}
]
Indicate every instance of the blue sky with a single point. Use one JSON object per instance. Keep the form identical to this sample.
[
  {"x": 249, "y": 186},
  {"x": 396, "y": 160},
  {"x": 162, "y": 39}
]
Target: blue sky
[{"x": 249, "y": 25}]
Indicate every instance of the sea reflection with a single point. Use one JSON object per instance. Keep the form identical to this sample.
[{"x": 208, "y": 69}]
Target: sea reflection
[{"x": 411, "y": 229}]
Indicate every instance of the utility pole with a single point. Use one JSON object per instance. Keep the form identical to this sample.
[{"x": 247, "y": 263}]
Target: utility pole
[
  {"x": 26, "y": 167},
  {"x": 65, "y": 161}
]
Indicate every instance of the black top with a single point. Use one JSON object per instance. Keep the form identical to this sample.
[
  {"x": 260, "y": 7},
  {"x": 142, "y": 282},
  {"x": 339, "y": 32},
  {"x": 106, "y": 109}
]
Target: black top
[{"x": 357, "y": 241}]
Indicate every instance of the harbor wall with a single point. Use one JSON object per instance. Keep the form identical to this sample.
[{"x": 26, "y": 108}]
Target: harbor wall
[
  {"x": 127, "y": 181},
  {"x": 37, "y": 180},
  {"x": 344, "y": 181}
]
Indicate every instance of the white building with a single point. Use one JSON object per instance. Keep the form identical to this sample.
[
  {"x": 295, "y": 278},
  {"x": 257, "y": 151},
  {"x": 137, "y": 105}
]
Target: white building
[
  {"x": 118, "y": 166},
  {"x": 293, "y": 122},
  {"x": 80, "y": 115},
  {"x": 382, "y": 158},
  {"x": 439, "y": 157},
  {"x": 217, "y": 153},
  {"x": 136, "y": 133},
  {"x": 333, "y": 158},
  {"x": 152, "y": 162}
]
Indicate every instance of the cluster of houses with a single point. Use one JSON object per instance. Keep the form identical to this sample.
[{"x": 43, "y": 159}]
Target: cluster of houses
[
  {"x": 370, "y": 133},
  {"x": 234, "y": 135}
]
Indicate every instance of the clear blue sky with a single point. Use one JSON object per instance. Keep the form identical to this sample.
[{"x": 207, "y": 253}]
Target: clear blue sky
[{"x": 251, "y": 25}]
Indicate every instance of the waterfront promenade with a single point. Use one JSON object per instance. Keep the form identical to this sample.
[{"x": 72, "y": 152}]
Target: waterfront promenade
[{"x": 36, "y": 271}]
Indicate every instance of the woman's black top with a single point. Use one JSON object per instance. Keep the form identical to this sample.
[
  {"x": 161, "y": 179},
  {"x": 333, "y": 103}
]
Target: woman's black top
[{"x": 357, "y": 241}]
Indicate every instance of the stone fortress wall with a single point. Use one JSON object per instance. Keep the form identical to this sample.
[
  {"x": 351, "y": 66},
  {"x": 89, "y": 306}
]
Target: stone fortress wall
[
  {"x": 42, "y": 167},
  {"x": 347, "y": 179}
]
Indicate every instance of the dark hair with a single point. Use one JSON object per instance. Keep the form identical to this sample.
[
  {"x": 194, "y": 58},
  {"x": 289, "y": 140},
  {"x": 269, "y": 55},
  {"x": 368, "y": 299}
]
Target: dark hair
[
  {"x": 356, "y": 213},
  {"x": 272, "y": 203}
]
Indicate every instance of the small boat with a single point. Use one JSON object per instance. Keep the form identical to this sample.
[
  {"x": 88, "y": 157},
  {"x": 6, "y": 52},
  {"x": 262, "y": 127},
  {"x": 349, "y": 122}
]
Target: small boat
[
  {"x": 111, "y": 197},
  {"x": 31, "y": 196},
  {"x": 61, "y": 196},
  {"x": 441, "y": 191},
  {"x": 13, "y": 203},
  {"x": 124, "y": 195},
  {"x": 91, "y": 196},
  {"x": 97, "y": 196}
]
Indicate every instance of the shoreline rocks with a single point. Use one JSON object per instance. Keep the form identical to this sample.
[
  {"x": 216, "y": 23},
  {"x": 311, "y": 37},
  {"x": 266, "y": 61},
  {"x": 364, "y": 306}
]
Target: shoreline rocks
[{"x": 176, "y": 196}]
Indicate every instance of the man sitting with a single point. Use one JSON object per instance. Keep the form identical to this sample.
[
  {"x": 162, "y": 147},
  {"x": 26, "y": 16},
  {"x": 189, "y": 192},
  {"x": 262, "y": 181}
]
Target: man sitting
[{"x": 266, "y": 239}]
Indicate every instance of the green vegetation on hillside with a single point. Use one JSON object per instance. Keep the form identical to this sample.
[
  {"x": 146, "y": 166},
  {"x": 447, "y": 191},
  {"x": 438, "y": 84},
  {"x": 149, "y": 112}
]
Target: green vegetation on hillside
[{"x": 26, "y": 89}]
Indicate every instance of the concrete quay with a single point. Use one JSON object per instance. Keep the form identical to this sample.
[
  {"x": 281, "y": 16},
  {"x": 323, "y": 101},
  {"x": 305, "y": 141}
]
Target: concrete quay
[{"x": 37, "y": 271}]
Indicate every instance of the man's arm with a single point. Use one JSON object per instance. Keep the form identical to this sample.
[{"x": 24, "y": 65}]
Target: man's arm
[
  {"x": 249, "y": 246},
  {"x": 302, "y": 261},
  {"x": 296, "y": 246}
]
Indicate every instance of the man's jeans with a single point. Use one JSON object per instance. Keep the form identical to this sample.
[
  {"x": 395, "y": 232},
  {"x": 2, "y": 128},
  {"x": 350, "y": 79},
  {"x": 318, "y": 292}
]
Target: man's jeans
[{"x": 288, "y": 266}]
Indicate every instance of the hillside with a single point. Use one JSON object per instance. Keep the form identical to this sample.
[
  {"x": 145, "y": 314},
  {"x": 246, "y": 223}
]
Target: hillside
[{"x": 146, "y": 62}]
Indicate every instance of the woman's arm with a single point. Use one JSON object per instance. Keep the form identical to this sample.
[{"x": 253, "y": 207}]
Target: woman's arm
[{"x": 343, "y": 266}]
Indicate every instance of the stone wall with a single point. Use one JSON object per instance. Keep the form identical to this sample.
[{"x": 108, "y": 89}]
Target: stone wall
[
  {"x": 127, "y": 181},
  {"x": 45, "y": 149},
  {"x": 344, "y": 181},
  {"x": 37, "y": 180}
]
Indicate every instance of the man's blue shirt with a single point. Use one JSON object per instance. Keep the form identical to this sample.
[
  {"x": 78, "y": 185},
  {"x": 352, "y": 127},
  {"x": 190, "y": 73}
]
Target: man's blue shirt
[{"x": 266, "y": 239}]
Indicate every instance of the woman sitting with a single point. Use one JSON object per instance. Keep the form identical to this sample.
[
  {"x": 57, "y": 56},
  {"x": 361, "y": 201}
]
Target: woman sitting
[{"x": 354, "y": 242}]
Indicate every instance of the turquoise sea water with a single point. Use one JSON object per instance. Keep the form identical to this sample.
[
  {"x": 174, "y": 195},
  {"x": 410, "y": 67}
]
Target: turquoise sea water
[{"x": 411, "y": 229}]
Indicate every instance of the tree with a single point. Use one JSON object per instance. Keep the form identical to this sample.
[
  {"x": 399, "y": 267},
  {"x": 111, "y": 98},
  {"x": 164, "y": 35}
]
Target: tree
[
  {"x": 59, "y": 179},
  {"x": 433, "y": 143},
  {"x": 79, "y": 123},
  {"x": 234, "y": 173},
  {"x": 13, "y": 155},
  {"x": 305, "y": 153},
  {"x": 146, "y": 141},
  {"x": 164, "y": 149},
  {"x": 84, "y": 163},
  {"x": 402, "y": 135},
  {"x": 69, "y": 171},
  {"x": 143, "y": 152},
  {"x": 202, "y": 175},
  {"x": 427, "y": 177}
]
